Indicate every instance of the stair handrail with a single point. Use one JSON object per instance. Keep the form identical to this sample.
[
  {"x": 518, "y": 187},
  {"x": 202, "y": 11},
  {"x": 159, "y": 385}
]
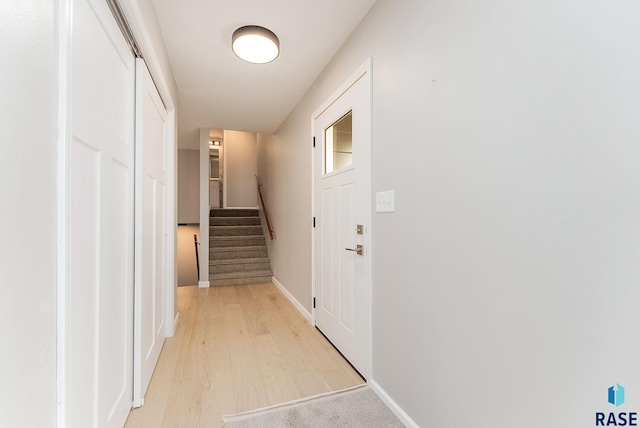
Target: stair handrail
[
  {"x": 272, "y": 234},
  {"x": 196, "y": 243}
]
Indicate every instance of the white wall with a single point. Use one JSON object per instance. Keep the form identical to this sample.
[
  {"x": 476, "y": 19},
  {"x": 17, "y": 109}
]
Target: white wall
[
  {"x": 28, "y": 215},
  {"x": 188, "y": 186},
  {"x": 240, "y": 167},
  {"x": 505, "y": 285},
  {"x": 262, "y": 143}
]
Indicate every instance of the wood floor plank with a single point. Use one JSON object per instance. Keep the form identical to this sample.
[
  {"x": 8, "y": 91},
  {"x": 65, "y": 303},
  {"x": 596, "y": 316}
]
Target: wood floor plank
[
  {"x": 237, "y": 348},
  {"x": 191, "y": 358},
  {"x": 184, "y": 403}
]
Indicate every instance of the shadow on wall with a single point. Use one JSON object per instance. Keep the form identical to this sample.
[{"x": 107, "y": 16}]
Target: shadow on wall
[{"x": 186, "y": 255}]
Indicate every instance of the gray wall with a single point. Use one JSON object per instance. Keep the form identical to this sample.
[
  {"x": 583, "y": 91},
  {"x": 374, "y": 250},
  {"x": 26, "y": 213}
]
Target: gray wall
[
  {"x": 28, "y": 173},
  {"x": 263, "y": 141},
  {"x": 188, "y": 186},
  {"x": 505, "y": 285}
]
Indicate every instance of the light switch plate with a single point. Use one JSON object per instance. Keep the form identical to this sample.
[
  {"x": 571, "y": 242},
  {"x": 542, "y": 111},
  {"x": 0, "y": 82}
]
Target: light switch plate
[{"x": 385, "y": 202}]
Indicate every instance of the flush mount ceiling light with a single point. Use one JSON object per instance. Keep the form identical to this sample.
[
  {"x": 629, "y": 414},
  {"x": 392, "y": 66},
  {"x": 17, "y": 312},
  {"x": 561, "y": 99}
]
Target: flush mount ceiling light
[{"x": 255, "y": 44}]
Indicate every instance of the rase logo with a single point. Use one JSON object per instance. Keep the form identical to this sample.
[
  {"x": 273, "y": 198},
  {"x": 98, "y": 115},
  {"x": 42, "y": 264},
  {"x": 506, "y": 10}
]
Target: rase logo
[{"x": 615, "y": 396}]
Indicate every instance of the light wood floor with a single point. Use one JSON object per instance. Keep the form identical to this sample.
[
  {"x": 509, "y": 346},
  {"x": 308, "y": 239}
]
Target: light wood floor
[{"x": 237, "y": 348}]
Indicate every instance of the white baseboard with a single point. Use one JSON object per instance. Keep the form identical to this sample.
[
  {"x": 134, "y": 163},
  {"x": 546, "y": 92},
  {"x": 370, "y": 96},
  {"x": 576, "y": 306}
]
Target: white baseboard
[
  {"x": 390, "y": 402},
  {"x": 293, "y": 300},
  {"x": 204, "y": 284}
]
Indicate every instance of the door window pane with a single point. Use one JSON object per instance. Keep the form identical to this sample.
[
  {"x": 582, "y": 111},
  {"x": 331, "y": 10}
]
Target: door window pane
[{"x": 338, "y": 144}]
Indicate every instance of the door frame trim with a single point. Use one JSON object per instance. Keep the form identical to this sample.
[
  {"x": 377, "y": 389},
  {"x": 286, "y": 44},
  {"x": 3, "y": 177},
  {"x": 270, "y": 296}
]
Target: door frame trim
[
  {"x": 365, "y": 68},
  {"x": 63, "y": 31}
]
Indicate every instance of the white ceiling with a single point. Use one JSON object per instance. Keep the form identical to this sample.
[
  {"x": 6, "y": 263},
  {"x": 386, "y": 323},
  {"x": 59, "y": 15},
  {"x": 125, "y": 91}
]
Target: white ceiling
[{"x": 218, "y": 90}]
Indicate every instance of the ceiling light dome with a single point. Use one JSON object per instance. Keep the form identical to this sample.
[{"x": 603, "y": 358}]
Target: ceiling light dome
[{"x": 255, "y": 44}]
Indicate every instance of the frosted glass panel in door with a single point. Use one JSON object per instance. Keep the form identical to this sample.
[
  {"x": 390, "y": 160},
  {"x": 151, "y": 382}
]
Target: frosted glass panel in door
[{"x": 338, "y": 149}]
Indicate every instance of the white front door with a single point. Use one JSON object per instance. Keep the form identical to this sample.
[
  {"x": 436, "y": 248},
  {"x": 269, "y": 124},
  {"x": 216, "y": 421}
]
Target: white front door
[
  {"x": 151, "y": 240},
  {"x": 100, "y": 212},
  {"x": 342, "y": 244}
]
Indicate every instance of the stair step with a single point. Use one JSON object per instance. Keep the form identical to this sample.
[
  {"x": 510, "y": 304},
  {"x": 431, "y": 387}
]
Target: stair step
[
  {"x": 235, "y": 230},
  {"x": 234, "y": 221},
  {"x": 239, "y": 260},
  {"x": 239, "y": 265},
  {"x": 237, "y": 250},
  {"x": 233, "y": 212},
  {"x": 236, "y": 241},
  {"x": 235, "y": 278},
  {"x": 226, "y": 253}
]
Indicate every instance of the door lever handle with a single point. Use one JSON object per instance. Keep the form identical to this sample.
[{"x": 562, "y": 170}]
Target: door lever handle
[{"x": 359, "y": 250}]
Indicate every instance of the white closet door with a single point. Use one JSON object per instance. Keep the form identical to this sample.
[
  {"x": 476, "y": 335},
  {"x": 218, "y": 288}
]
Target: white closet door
[
  {"x": 151, "y": 233},
  {"x": 100, "y": 220}
]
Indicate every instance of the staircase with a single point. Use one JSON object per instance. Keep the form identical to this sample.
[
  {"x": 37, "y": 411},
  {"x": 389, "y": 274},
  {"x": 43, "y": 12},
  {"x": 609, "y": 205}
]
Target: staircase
[{"x": 237, "y": 249}]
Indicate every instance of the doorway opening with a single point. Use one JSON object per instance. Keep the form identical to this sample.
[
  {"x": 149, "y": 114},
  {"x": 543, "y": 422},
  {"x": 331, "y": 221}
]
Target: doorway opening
[{"x": 216, "y": 170}]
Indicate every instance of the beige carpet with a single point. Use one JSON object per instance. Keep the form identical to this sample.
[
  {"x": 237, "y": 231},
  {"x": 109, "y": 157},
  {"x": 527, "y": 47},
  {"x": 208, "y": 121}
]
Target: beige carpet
[{"x": 353, "y": 407}]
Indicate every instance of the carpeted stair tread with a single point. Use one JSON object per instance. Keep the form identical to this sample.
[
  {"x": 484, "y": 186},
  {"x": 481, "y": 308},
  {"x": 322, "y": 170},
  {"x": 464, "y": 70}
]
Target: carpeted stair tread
[
  {"x": 234, "y": 221},
  {"x": 235, "y": 278},
  {"x": 226, "y": 275},
  {"x": 233, "y": 212},
  {"x": 239, "y": 260},
  {"x": 240, "y": 281},
  {"x": 236, "y": 241},
  {"x": 239, "y": 265},
  {"x": 237, "y": 250},
  {"x": 245, "y": 248},
  {"x": 235, "y": 230},
  {"x": 225, "y": 253}
]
